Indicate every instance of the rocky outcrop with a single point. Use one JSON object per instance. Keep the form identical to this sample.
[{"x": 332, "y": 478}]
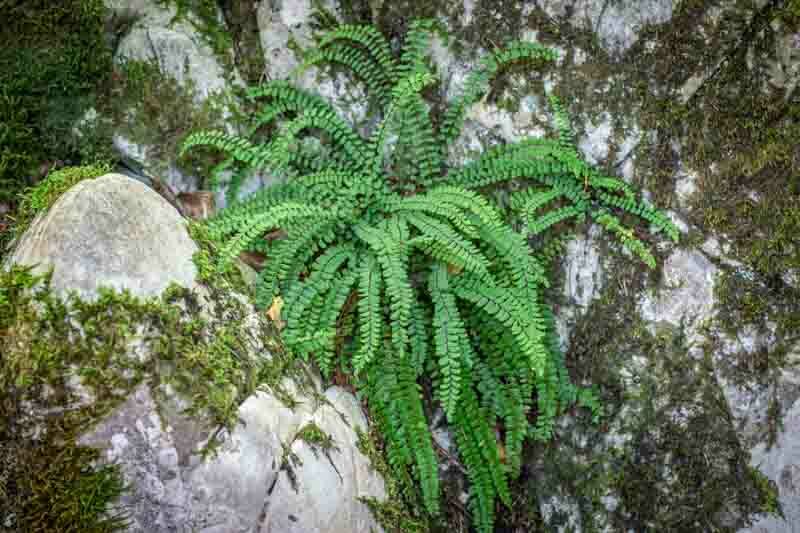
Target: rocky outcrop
[
  {"x": 285, "y": 466},
  {"x": 699, "y": 383}
]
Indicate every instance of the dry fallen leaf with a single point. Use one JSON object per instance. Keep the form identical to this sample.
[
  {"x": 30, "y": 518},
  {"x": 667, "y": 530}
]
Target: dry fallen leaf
[
  {"x": 274, "y": 312},
  {"x": 198, "y": 205},
  {"x": 454, "y": 270},
  {"x": 254, "y": 260}
]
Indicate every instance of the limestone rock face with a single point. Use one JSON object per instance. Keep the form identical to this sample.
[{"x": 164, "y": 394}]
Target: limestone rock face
[
  {"x": 781, "y": 463},
  {"x": 616, "y": 24},
  {"x": 687, "y": 293},
  {"x": 251, "y": 483},
  {"x": 285, "y": 25},
  {"x": 180, "y": 51},
  {"x": 650, "y": 342},
  {"x": 113, "y": 231}
]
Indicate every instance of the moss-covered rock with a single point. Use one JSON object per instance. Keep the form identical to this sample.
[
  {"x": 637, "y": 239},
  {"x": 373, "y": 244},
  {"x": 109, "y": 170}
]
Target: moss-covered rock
[{"x": 181, "y": 395}]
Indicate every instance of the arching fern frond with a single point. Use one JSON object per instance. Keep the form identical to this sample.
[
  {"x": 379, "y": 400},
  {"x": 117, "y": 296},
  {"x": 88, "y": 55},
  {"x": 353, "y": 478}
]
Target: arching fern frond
[
  {"x": 415, "y": 47},
  {"x": 361, "y": 48},
  {"x": 370, "y": 287},
  {"x": 260, "y": 223},
  {"x": 399, "y": 270}
]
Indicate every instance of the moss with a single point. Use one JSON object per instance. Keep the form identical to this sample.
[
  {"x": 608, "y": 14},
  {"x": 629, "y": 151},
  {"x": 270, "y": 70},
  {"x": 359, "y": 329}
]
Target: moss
[
  {"x": 205, "y": 17},
  {"x": 54, "y": 58},
  {"x": 747, "y": 305},
  {"x": 46, "y": 488},
  {"x": 242, "y": 20},
  {"x": 666, "y": 455},
  {"x": 403, "y": 510},
  {"x": 685, "y": 468},
  {"x": 48, "y": 482},
  {"x": 39, "y": 198},
  {"x": 49, "y": 343},
  {"x": 771, "y": 504},
  {"x": 151, "y": 108},
  {"x": 312, "y": 435}
]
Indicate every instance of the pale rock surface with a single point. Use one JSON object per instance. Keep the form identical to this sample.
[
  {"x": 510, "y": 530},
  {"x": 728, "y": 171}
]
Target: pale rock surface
[
  {"x": 284, "y": 25},
  {"x": 683, "y": 297},
  {"x": 781, "y": 464},
  {"x": 115, "y": 231},
  {"x": 616, "y": 24},
  {"x": 594, "y": 144},
  {"x": 584, "y": 269},
  {"x": 181, "y": 52},
  {"x": 687, "y": 295},
  {"x": 178, "y": 49}
]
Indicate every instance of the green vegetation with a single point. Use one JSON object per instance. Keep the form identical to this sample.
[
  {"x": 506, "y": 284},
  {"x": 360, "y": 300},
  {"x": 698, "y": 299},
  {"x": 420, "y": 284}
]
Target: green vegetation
[
  {"x": 213, "y": 357},
  {"x": 53, "y": 59},
  {"x": 668, "y": 455},
  {"x": 39, "y": 199},
  {"x": 151, "y": 108},
  {"x": 403, "y": 510},
  {"x": 206, "y": 17},
  {"x": 383, "y": 240},
  {"x": 738, "y": 132}
]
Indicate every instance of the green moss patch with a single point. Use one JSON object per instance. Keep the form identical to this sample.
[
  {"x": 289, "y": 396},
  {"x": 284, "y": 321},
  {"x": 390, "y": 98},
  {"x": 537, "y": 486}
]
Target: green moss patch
[
  {"x": 205, "y": 17},
  {"x": 151, "y": 108},
  {"x": 666, "y": 455},
  {"x": 39, "y": 198},
  {"x": 403, "y": 510},
  {"x": 54, "y": 58},
  {"x": 48, "y": 344}
]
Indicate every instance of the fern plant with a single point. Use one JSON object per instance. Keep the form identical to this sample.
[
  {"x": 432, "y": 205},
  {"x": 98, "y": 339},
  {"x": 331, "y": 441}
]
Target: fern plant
[{"x": 396, "y": 269}]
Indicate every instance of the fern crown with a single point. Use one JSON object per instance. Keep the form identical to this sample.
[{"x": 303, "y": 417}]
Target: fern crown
[{"x": 397, "y": 270}]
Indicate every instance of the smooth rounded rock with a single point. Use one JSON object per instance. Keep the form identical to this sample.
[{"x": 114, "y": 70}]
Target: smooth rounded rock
[{"x": 110, "y": 231}]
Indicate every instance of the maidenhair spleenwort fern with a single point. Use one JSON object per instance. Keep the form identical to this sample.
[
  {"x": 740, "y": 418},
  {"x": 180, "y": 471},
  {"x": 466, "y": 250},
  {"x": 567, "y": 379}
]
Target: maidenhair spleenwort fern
[{"x": 401, "y": 257}]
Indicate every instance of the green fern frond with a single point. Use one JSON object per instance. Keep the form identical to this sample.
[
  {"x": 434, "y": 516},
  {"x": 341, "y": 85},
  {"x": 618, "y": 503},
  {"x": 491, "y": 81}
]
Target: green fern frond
[
  {"x": 402, "y": 93},
  {"x": 360, "y": 62},
  {"x": 415, "y": 47},
  {"x": 539, "y": 224},
  {"x": 274, "y": 218},
  {"x": 286, "y": 255},
  {"x": 361, "y": 48},
  {"x": 400, "y": 270},
  {"x": 368, "y": 38},
  {"x": 441, "y": 241},
  {"x": 449, "y": 334},
  {"x": 324, "y": 330},
  {"x": 419, "y": 336},
  {"x": 625, "y": 235},
  {"x": 301, "y": 294},
  {"x": 319, "y": 112},
  {"x": 370, "y": 286}
]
